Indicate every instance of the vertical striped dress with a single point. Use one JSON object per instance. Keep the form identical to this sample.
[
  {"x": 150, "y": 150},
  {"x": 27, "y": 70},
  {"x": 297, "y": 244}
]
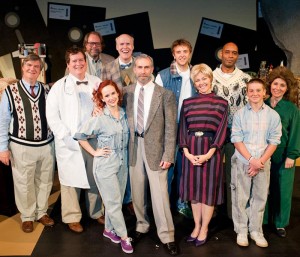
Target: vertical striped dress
[{"x": 206, "y": 113}]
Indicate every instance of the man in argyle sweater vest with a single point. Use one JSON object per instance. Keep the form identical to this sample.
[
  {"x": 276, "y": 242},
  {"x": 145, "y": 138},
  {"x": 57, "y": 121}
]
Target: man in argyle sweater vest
[{"x": 27, "y": 142}]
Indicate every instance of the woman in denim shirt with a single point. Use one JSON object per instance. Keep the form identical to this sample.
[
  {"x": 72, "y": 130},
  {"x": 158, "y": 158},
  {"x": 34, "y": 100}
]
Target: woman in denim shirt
[{"x": 110, "y": 166}]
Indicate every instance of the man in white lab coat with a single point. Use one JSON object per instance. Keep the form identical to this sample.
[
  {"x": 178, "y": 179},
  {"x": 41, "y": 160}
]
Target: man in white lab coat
[{"x": 69, "y": 106}]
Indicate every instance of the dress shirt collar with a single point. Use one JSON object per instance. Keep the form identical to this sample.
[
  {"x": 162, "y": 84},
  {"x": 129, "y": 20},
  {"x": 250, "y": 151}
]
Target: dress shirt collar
[
  {"x": 91, "y": 60},
  {"x": 278, "y": 104},
  {"x": 27, "y": 85},
  {"x": 123, "y": 63},
  {"x": 74, "y": 79},
  {"x": 149, "y": 85},
  {"x": 249, "y": 107}
]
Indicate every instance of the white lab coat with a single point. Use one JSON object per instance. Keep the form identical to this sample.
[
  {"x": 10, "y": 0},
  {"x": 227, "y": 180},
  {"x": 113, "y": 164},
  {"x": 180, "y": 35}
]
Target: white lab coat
[{"x": 62, "y": 111}]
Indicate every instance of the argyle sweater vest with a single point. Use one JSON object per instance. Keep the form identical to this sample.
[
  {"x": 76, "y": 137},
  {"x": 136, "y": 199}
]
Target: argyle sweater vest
[
  {"x": 127, "y": 76},
  {"x": 28, "y": 125}
]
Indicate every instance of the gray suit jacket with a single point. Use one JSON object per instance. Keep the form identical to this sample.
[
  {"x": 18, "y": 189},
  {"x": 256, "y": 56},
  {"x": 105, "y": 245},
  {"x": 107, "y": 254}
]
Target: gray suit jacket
[
  {"x": 161, "y": 127},
  {"x": 106, "y": 58}
]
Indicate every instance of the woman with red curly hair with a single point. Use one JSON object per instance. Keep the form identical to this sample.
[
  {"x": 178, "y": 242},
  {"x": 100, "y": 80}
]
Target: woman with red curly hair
[{"x": 110, "y": 166}]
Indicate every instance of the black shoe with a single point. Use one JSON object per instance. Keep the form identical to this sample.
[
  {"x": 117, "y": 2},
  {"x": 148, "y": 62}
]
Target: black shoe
[
  {"x": 171, "y": 248},
  {"x": 281, "y": 232},
  {"x": 137, "y": 236},
  {"x": 130, "y": 209}
]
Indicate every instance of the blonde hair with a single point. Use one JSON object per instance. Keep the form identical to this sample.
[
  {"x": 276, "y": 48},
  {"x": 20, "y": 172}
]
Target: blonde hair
[{"x": 203, "y": 69}]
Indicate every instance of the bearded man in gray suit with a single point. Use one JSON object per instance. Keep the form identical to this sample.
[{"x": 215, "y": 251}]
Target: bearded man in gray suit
[{"x": 151, "y": 150}]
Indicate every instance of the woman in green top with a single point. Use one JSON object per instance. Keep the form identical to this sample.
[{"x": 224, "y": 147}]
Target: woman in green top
[{"x": 282, "y": 87}]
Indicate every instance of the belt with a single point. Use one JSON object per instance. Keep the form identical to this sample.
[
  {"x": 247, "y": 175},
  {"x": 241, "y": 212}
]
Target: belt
[
  {"x": 137, "y": 134},
  {"x": 202, "y": 133}
]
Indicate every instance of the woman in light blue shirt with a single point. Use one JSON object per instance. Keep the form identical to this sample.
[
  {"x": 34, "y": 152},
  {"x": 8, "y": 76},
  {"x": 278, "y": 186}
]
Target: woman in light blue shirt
[{"x": 110, "y": 166}]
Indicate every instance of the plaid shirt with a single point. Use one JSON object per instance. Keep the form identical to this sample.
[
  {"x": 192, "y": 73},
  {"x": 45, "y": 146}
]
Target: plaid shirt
[{"x": 256, "y": 130}]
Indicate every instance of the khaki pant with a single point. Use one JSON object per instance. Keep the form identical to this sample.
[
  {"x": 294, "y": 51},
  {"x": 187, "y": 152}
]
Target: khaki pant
[
  {"x": 70, "y": 206},
  {"x": 140, "y": 176},
  {"x": 33, "y": 170}
]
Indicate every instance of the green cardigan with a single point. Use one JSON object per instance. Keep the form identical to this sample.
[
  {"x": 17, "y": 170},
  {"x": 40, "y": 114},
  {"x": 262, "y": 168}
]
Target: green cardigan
[{"x": 290, "y": 139}]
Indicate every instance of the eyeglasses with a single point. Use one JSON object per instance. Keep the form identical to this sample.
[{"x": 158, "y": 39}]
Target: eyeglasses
[{"x": 94, "y": 43}]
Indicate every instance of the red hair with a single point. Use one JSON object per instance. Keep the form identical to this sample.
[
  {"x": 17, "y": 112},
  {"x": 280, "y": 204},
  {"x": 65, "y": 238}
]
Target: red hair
[{"x": 98, "y": 97}]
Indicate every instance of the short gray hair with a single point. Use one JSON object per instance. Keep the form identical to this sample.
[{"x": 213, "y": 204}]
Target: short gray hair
[{"x": 143, "y": 56}]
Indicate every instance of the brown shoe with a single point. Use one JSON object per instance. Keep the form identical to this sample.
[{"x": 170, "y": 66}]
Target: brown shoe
[
  {"x": 27, "y": 226},
  {"x": 101, "y": 220},
  {"x": 46, "y": 221},
  {"x": 75, "y": 227}
]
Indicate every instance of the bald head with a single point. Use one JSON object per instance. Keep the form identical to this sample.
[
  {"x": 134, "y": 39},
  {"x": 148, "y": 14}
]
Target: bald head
[
  {"x": 229, "y": 57},
  {"x": 124, "y": 37},
  {"x": 125, "y": 46},
  {"x": 230, "y": 45}
]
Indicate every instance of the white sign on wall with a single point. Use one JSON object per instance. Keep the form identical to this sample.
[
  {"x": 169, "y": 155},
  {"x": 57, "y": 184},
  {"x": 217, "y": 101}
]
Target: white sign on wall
[
  {"x": 105, "y": 27},
  {"x": 60, "y": 12},
  {"x": 243, "y": 61},
  {"x": 211, "y": 28}
]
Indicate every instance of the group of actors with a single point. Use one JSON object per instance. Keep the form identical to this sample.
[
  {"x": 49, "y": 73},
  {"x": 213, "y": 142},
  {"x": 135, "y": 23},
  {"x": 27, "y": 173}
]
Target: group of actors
[{"x": 115, "y": 129}]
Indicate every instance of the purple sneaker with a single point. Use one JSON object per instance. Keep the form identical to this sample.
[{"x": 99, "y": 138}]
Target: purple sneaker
[
  {"x": 112, "y": 236},
  {"x": 126, "y": 245}
]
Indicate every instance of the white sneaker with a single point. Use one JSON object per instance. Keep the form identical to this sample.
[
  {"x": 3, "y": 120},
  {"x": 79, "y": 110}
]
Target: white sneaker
[
  {"x": 259, "y": 239},
  {"x": 242, "y": 240}
]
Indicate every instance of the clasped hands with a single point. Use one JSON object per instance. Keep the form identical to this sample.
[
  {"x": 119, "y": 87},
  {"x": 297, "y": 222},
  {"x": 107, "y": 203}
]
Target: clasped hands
[
  {"x": 255, "y": 165},
  {"x": 197, "y": 159}
]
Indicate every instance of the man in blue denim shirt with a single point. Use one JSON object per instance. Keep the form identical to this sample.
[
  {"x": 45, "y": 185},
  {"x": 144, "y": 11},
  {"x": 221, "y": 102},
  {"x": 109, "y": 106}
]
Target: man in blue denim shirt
[{"x": 177, "y": 79}]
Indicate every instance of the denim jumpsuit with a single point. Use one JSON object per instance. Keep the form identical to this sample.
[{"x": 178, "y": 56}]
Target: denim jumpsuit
[{"x": 110, "y": 172}]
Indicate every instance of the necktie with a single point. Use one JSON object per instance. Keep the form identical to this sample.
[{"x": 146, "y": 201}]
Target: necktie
[
  {"x": 81, "y": 82},
  {"x": 32, "y": 91},
  {"x": 140, "y": 112},
  {"x": 125, "y": 66}
]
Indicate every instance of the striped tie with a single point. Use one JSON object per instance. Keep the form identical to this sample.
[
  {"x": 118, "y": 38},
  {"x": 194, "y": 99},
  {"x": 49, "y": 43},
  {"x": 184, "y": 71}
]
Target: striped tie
[
  {"x": 32, "y": 91},
  {"x": 140, "y": 112}
]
